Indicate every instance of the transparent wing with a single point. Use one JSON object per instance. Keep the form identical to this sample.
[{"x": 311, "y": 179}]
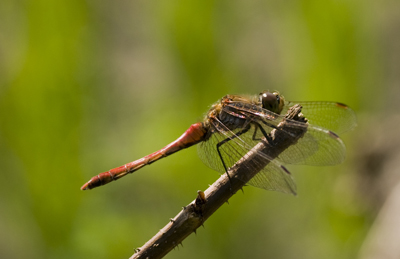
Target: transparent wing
[
  {"x": 336, "y": 117},
  {"x": 318, "y": 146},
  {"x": 273, "y": 177}
]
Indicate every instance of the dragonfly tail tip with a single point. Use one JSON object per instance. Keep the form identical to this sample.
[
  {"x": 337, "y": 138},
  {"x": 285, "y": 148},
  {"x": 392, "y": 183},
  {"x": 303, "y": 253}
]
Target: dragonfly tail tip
[{"x": 85, "y": 187}]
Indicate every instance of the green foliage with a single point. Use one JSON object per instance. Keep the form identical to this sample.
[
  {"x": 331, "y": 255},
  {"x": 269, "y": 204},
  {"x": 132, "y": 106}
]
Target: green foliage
[{"x": 88, "y": 86}]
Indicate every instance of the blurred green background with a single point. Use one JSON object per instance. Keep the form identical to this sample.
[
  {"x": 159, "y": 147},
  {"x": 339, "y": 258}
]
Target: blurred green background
[{"x": 86, "y": 86}]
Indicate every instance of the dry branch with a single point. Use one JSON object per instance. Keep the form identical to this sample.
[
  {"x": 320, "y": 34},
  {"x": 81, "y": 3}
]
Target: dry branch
[{"x": 198, "y": 211}]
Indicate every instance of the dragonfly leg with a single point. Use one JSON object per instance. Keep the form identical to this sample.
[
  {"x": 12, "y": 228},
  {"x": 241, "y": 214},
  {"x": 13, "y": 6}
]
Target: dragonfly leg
[
  {"x": 275, "y": 127},
  {"x": 225, "y": 141},
  {"x": 258, "y": 126}
]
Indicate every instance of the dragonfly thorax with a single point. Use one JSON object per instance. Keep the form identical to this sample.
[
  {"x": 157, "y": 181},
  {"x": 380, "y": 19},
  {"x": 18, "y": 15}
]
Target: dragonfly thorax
[
  {"x": 224, "y": 114},
  {"x": 228, "y": 111},
  {"x": 232, "y": 119}
]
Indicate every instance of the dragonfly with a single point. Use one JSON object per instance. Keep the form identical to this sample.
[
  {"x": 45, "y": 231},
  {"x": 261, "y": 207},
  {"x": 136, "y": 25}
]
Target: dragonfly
[{"x": 236, "y": 123}]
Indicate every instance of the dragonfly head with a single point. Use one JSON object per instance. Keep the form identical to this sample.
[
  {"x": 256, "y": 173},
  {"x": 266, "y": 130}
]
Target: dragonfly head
[{"x": 272, "y": 101}]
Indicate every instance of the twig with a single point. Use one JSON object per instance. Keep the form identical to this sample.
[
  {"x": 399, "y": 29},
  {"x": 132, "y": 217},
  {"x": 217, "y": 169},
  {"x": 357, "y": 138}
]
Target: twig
[{"x": 198, "y": 211}]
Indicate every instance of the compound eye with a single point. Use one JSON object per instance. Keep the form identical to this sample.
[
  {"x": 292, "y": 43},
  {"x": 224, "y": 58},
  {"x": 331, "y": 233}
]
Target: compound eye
[{"x": 270, "y": 101}]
